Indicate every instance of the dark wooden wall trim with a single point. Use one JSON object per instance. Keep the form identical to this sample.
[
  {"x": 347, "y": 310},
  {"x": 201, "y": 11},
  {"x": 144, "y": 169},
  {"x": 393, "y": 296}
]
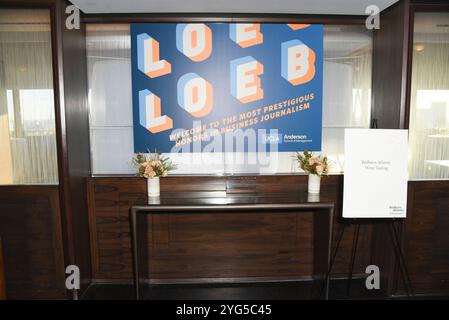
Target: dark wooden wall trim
[
  {"x": 389, "y": 107},
  {"x": 73, "y": 139},
  {"x": 30, "y": 227},
  {"x": 61, "y": 135},
  {"x": 222, "y": 17}
]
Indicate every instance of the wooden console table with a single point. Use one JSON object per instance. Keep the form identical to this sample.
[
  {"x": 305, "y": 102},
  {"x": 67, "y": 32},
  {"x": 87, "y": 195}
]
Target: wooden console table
[{"x": 210, "y": 203}]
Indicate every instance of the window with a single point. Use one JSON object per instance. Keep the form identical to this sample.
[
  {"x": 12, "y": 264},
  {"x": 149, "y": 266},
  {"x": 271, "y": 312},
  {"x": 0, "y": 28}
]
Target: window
[
  {"x": 346, "y": 102},
  {"x": 27, "y": 122},
  {"x": 346, "y": 87},
  {"x": 429, "y": 101}
]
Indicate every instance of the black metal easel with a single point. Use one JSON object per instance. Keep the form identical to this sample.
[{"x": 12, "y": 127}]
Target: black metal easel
[{"x": 393, "y": 232}]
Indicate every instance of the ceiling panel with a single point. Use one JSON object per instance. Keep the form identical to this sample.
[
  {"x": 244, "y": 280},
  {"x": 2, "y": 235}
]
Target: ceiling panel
[{"x": 345, "y": 7}]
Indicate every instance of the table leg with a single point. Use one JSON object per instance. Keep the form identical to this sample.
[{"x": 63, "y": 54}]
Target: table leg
[
  {"x": 329, "y": 248},
  {"x": 133, "y": 221},
  {"x": 322, "y": 244}
]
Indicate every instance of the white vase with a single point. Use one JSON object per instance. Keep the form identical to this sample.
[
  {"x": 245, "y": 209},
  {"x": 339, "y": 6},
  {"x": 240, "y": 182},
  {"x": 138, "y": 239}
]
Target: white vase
[
  {"x": 313, "y": 197},
  {"x": 153, "y": 187},
  {"x": 314, "y": 183}
]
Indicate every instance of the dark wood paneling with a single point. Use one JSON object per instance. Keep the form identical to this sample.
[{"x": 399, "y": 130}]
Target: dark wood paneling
[
  {"x": 30, "y": 227},
  {"x": 390, "y": 66},
  {"x": 73, "y": 138},
  {"x": 389, "y": 107},
  {"x": 2, "y": 273},
  {"x": 426, "y": 239},
  {"x": 216, "y": 246}
]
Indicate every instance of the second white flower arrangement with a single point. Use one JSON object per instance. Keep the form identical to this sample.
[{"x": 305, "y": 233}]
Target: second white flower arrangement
[
  {"x": 315, "y": 166},
  {"x": 318, "y": 165},
  {"x": 153, "y": 165}
]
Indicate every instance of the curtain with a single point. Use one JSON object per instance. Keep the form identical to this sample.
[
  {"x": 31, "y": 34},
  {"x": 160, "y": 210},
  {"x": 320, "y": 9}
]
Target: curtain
[
  {"x": 429, "y": 105},
  {"x": 27, "y": 121}
]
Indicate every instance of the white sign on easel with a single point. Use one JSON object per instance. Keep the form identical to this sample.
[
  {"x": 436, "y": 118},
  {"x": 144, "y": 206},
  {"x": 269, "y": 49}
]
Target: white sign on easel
[{"x": 375, "y": 178}]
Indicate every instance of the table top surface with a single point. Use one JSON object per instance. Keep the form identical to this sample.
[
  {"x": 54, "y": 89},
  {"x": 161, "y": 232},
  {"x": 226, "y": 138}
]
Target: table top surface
[{"x": 223, "y": 199}]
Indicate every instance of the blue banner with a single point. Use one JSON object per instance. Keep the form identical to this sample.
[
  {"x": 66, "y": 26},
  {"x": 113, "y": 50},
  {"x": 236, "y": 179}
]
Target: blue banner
[{"x": 222, "y": 87}]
